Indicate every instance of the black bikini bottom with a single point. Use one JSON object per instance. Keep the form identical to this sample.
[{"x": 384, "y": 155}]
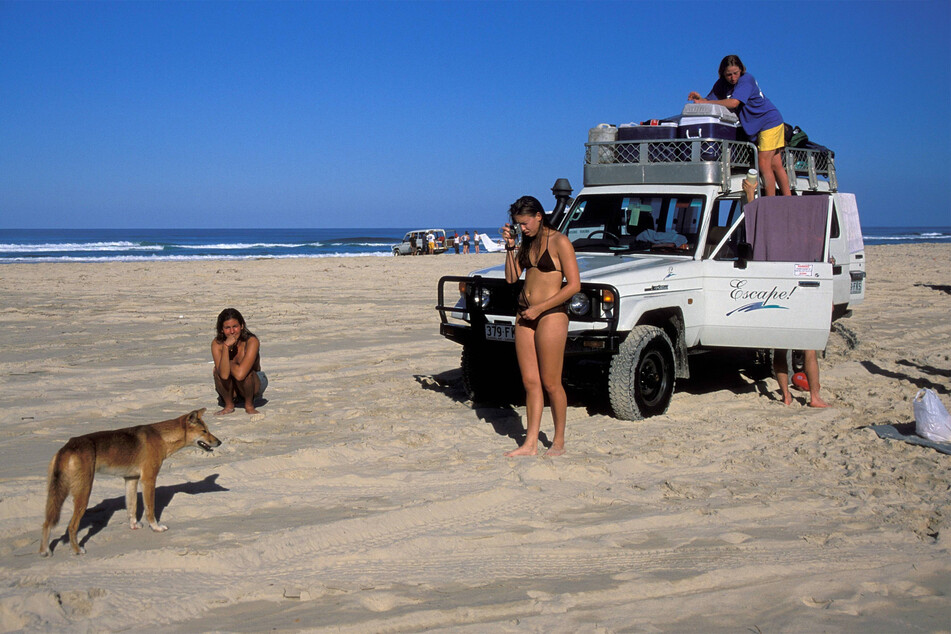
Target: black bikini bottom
[{"x": 523, "y": 304}]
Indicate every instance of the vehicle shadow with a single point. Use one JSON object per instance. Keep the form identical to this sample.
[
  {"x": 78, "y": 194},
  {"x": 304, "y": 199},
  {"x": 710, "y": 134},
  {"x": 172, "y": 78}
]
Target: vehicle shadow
[
  {"x": 944, "y": 288},
  {"x": 97, "y": 517},
  {"x": 725, "y": 370},
  {"x": 918, "y": 382},
  {"x": 505, "y": 420}
]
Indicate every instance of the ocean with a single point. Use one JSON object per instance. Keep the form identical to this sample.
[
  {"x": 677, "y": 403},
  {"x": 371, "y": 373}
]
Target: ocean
[{"x": 136, "y": 245}]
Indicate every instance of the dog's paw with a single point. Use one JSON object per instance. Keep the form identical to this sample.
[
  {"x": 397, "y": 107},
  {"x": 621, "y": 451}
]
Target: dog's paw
[
  {"x": 159, "y": 528},
  {"x": 135, "y": 525},
  {"x": 81, "y": 551}
]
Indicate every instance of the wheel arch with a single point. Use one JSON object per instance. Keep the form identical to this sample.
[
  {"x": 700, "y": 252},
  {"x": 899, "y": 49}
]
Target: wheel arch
[{"x": 671, "y": 320}]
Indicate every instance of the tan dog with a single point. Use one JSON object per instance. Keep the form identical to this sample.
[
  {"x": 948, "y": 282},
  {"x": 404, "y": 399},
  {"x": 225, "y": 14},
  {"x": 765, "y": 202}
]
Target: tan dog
[{"x": 135, "y": 453}]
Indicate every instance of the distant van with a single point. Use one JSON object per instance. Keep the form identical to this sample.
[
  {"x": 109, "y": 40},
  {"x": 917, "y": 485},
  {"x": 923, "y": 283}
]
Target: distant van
[{"x": 414, "y": 242}]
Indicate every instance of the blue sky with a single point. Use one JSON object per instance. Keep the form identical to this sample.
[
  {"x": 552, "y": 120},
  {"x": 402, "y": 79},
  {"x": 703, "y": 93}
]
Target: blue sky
[{"x": 392, "y": 114}]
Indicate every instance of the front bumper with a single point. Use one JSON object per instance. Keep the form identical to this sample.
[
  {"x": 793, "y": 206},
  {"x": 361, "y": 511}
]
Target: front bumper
[{"x": 464, "y": 322}]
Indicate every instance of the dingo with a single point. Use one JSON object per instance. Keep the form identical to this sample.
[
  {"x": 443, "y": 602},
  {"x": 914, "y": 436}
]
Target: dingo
[{"x": 135, "y": 453}]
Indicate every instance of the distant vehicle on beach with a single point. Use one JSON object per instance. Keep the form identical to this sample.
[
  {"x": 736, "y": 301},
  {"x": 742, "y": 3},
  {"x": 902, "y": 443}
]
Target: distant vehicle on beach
[{"x": 414, "y": 242}]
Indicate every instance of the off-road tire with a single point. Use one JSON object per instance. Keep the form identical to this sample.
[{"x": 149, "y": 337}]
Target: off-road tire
[
  {"x": 490, "y": 378},
  {"x": 642, "y": 375}
]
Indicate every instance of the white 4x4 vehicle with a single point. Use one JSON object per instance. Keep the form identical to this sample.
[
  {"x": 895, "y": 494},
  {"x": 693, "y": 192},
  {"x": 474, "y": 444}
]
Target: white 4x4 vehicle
[{"x": 692, "y": 282}]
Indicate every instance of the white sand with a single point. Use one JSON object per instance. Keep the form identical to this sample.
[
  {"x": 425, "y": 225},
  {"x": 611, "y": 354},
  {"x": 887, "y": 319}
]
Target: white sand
[{"x": 369, "y": 496}]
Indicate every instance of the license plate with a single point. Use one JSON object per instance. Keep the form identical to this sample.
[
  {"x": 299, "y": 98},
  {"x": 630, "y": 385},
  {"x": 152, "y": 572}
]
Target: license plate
[
  {"x": 856, "y": 287},
  {"x": 500, "y": 332}
]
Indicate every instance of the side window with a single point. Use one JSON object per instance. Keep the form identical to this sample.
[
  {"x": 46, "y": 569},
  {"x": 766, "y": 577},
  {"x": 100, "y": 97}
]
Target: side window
[
  {"x": 725, "y": 212},
  {"x": 836, "y": 231}
]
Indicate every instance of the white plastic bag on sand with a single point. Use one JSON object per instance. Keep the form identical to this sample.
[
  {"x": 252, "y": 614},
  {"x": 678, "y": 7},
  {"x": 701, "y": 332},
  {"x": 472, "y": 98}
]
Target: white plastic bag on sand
[{"x": 932, "y": 420}]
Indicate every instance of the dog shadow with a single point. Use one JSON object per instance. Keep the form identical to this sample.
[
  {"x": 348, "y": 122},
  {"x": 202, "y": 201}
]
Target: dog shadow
[{"x": 97, "y": 517}]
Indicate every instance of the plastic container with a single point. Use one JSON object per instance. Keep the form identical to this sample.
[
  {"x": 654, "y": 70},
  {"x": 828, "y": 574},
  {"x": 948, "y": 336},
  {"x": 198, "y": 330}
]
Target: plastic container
[
  {"x": 708, "y": 121},
  {"x": 602, "y": 133},
  {"x": 630, "y": 153},
  {"x": 709, "y": 110}
]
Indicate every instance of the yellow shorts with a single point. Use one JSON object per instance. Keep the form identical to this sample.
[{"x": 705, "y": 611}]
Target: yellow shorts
[{"x": 771, "y": 139}]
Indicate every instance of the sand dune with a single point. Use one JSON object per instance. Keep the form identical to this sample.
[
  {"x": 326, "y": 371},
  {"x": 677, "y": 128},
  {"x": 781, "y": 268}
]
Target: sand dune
[{"x": 370, "y": 496}]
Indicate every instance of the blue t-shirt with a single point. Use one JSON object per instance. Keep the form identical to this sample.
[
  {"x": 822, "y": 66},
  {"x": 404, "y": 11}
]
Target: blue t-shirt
[{"x": 756, "y": 112}]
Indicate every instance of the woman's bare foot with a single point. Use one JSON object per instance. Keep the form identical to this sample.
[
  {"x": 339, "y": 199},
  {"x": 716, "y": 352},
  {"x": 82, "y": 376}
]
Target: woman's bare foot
[
  {"x": 251, "y": 410},
  {"x": 225, "y": 410},
  {"x": 554, "y": 452},
  {"x": 524, "y": 450},
  {"x": 816, "y": 401}
]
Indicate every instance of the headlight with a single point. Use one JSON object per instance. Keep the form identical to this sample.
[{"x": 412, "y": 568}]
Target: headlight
[
  {"x": 579, "y": 304},
  {"x": 482, "y": 297}
]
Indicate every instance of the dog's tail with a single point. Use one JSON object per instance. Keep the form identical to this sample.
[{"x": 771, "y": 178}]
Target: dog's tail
[{"x": 57, "y": 490}]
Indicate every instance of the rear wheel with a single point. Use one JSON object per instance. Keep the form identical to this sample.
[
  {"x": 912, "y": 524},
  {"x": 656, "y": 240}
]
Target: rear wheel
[{"x": 641, "y": 378}]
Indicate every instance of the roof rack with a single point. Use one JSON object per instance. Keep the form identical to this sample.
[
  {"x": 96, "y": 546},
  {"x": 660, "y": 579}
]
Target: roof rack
[{"x": 696, "y": 162}]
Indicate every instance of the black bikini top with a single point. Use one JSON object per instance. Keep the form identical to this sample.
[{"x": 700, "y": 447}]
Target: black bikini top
[{"x": 545, "y": 263}]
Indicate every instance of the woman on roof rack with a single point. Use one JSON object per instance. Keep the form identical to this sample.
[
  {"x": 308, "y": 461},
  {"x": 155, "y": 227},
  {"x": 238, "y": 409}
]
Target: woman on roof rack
[{"x": 737, "y": 90}]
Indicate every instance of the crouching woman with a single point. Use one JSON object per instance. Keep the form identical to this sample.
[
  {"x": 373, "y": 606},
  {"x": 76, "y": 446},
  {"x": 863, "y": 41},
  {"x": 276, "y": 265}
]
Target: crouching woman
[{"x": 237, "y": 357}]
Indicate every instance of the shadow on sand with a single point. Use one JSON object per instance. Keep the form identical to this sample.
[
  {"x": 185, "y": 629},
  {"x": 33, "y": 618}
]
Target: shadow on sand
[
  {"x": 97, "y": 517},
  {"x": 505, "y": 420}
]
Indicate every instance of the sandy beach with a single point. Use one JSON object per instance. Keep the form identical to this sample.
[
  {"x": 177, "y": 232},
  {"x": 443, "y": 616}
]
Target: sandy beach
[{"x": 370, "y": 496}]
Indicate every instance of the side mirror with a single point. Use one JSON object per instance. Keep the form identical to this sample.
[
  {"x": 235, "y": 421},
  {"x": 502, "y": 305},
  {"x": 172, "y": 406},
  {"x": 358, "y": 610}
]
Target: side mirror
[{"x": 744, "y": 252}]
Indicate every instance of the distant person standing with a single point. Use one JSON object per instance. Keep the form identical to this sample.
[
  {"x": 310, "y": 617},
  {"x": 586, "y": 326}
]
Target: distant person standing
[
  {"x": 738, "y": 91},
  {"x": 430, "y": 243},
  {"x": 465, "y": 243},
  {"x": 455, "y": 241},
  {"x": 475, "y": 238}
]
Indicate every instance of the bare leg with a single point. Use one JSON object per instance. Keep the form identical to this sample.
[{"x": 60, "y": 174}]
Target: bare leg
[
  {"x": 772, "y": 171},
  {"x": 550, "y": 337},
  {"x": 248, "y": 388},
  {"x": 534, "y": 395},
  {"x": 811, "y": 367},
  {"x": 225, "y": 390},
  {"x": 780, "y": 173},
  {"x": 766, "y": 171},
  {"x": 782, "y": 374}
]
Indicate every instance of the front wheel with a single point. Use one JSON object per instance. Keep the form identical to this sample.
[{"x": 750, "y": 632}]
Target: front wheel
[
  {"x": 490, "y": 374},
  {"x": 641, "y": 378}
]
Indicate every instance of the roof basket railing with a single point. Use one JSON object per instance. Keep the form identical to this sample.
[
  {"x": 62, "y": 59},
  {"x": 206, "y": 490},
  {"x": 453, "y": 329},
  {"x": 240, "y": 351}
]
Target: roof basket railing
[{"x": 697, "y": 161}]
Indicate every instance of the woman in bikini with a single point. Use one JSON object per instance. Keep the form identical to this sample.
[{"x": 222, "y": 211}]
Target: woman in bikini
[
  {"x": 236, "y": 353},
  {"x": 541, "y": 329}
]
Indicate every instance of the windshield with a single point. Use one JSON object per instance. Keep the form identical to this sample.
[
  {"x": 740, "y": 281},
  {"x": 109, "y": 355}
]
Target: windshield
[{"x": 621, "y": 223}]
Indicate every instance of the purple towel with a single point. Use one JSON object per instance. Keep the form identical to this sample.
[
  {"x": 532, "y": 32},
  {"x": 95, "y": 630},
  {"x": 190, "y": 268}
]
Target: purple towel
[{"x": 787, "y": 228}]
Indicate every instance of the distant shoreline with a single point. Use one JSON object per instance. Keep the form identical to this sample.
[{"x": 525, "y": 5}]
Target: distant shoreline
[{"x": 158, "y": 245}]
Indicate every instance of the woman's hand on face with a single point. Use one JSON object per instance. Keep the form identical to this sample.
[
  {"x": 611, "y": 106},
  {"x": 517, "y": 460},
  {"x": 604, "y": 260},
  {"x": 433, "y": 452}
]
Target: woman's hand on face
[{"x": 230, "y": 340}]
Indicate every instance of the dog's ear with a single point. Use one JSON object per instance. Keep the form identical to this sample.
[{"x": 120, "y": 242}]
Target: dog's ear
[{"x": 195, "y": 416}]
